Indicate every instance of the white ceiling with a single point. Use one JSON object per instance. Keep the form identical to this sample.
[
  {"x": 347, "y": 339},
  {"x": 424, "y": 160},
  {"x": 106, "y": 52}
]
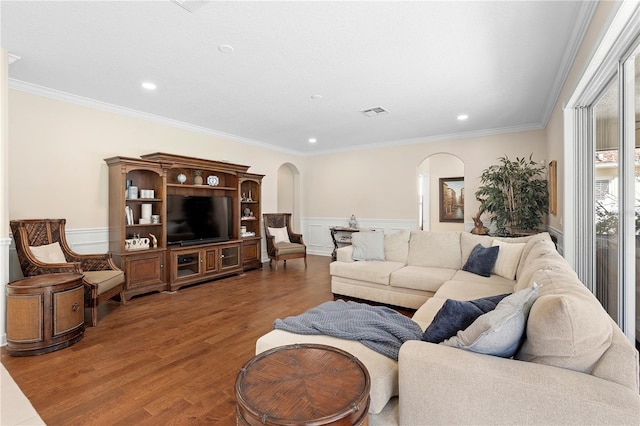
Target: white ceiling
[{"x": 502, "y": 63}]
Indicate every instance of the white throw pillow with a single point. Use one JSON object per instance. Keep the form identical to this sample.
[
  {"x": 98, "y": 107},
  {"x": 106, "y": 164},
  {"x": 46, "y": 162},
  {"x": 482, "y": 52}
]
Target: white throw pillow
[
  {"x": 280, "y": 235},
  {"x": 368, "y": 245},
  {"x": 508, "y": 259},
  {"x": 48, "y": 253},
  {"x": 498, "y": 332}
]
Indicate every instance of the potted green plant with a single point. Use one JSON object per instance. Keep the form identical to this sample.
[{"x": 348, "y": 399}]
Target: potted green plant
[{"x": 515, "y": 194}]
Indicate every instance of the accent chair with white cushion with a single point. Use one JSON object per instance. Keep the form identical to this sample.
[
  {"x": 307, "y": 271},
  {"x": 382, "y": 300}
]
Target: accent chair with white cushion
[
  {"x": 42, "y": 248},
  {"x": 282, "y": 242}
]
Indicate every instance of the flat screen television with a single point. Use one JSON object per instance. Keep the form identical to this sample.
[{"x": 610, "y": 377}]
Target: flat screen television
[{"x": 197, "y": 219}]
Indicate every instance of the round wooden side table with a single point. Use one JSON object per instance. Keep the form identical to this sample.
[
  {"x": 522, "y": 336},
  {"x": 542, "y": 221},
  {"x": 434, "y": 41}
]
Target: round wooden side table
[
  {"x": 44, "y": 313},
  {"x": 303, "y": 384}
]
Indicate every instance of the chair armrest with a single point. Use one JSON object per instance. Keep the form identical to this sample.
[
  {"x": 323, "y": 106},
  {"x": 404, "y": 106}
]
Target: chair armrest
[
  {"x": 440, "y": 384},
  {"x": 39, "y": 268},
  {"x": 296, "y": 238},
  {"x": 93, "y": 262}
]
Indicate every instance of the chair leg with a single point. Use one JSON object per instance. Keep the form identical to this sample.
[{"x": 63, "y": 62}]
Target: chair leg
[
  {"x": 94, "y": 315},
  {"x": 276, "y": 263},
  {"x": 123, "y": 299},
  {"x": 305, "y": 262}
]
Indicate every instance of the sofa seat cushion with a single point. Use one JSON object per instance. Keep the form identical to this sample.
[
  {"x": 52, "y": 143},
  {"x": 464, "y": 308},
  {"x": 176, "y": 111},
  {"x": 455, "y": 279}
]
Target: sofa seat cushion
[
  {"x": 567, "y": 327},
  {"x": 374, "y": 271},
  {"x": 105, "y": 280},
  {"x": 290, "y": 248},
  {"x": 421, "y": 277},
  {"x": 437, "y": 249},
  {"x": 383, "y": 371},
  {"x": 465, "y": 290}
]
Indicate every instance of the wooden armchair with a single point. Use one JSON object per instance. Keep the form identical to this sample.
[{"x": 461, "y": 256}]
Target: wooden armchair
[
  {"x": 282, "y": 242},
  {"x": 102, "y": 278}
]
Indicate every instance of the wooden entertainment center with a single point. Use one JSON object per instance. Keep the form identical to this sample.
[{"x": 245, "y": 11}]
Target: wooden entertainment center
[{"x": 170, "y": 265}]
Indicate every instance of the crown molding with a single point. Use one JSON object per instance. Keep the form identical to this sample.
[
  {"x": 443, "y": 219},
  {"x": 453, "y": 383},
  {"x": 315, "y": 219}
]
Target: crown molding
[{"x": 128, "y": 112}]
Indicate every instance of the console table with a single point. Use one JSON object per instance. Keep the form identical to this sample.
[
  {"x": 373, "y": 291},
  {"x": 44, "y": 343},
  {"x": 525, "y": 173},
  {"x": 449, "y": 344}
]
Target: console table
[
  {"x": 44, "y": 313},
  {"x": 303, "y": 384},
  {"x": 341, "y": 237}
]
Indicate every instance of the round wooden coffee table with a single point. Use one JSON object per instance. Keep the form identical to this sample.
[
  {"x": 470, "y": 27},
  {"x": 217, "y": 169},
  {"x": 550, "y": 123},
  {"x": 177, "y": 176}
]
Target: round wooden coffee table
[{"x": 304, "y": 384}]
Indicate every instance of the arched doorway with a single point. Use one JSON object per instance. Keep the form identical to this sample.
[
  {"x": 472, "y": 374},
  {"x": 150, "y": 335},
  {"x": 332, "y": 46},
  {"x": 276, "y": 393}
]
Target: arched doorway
[
  {"x": 289, "y": 193},
  {"x": 430, "y": 172}
]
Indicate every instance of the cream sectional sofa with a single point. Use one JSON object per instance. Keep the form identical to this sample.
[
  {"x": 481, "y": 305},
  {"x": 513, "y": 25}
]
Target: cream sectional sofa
[{"x": 575, "y": 366}]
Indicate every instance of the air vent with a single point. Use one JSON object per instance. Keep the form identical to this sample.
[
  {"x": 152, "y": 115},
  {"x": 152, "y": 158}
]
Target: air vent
[
  {"x": 13, "y": 58},
  {"x": 372, "y": 112},
  {"x": 190, "y": 5}
]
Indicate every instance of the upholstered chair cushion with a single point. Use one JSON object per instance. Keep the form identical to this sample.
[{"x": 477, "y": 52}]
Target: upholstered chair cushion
[
  {"x": 105, "y": 280},
  {"x": 48, "y": 253}
]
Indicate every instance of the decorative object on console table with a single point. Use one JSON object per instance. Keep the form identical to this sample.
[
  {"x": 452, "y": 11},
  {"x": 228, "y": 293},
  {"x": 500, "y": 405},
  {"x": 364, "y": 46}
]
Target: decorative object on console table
[
  {"x": 336, "y": 384},
  {"x": 451, "y": 200},
  {"x": 353, "y": 223}
]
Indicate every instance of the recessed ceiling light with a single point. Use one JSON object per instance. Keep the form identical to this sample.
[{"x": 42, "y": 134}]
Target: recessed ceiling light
[
  {"x": 148, "y": 85},
  {"x": 462, "y": 117},
  {"x": 313, "y": 140},
  {"x": 316, "y": 97},
  {"x": 225, "y": 48}
]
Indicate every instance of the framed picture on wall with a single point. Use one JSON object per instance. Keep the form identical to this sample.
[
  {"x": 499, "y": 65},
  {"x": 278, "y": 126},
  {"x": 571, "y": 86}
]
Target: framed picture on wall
[{"x": 451, "y": 200}]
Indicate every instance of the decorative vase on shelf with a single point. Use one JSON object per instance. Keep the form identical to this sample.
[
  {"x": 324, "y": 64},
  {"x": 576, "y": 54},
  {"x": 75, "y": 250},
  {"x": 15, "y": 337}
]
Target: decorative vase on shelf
[
  {"x": 198, "y": 180},
  {"x": 182, "y": 178}
]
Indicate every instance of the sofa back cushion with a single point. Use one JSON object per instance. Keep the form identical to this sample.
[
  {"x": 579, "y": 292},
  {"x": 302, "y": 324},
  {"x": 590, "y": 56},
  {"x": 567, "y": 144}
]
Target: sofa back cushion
[
  {"x": 396, "y": 246},
  {"x": 440, "y": 249},
  {"x": 567, "y": 326},
  {"x": 468, "y": 242}
]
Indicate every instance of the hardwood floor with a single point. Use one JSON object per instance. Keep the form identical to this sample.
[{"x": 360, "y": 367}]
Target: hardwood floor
[{"x": 168, "y": 358}]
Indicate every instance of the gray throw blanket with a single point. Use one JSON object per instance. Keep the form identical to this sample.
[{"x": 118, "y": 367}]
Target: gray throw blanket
[{"x": 377, "y": 327}]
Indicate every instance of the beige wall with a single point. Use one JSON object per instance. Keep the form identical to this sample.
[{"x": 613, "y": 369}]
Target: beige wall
[
  {"x": 57, "y": 151},
  {"x": 382, "y": 182}
]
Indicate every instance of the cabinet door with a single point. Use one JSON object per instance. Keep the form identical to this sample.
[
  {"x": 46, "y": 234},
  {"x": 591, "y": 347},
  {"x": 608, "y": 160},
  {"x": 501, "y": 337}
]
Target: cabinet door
[
  {"x": 186, "y": 264},
  {"x": 211, "y": 260},
  {"x": 229, "y": 257},
  {"x": 144, "y": 269},
  {"x": 24, "y": 318},
  {"x": 68, "y": 310}
]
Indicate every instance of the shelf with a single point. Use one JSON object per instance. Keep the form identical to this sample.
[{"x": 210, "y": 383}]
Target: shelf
[
  {"x": 143, "y": 200},
  {"x": 250, "y": 202},
  {"x": 133, "y": 225},
  {"x": 248, "y": 218},
  {"x": 213, "y": 188}
]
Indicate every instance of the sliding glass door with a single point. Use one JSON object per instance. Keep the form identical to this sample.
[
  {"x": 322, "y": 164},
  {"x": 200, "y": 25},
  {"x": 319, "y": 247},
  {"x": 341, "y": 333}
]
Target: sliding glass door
[{"x": 606, "y": 185}]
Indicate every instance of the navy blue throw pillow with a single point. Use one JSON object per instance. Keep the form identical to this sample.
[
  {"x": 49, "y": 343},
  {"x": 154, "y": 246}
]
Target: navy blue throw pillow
[
  {"x": 458, "y": 315},
  {"x": 481, "y": 260}
]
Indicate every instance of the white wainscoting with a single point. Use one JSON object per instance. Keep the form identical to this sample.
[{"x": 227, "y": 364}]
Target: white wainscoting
[{"x": 4, "y": 278}]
